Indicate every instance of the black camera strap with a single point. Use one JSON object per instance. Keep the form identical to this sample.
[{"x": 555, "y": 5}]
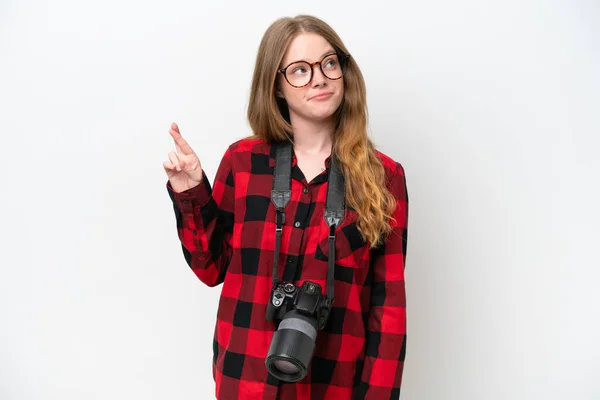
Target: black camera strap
[{"x": 334, "y": 205}]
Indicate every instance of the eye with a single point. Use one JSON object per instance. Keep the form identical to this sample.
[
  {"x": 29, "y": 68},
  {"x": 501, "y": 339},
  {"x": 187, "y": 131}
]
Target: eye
[
  {"x": 299, "y": 70},
  {"x": 331, "y": 62}
]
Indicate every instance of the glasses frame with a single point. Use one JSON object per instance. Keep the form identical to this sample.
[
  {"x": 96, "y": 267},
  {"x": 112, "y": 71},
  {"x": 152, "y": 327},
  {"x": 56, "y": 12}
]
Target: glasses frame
[{"x": 342, "y": 58}]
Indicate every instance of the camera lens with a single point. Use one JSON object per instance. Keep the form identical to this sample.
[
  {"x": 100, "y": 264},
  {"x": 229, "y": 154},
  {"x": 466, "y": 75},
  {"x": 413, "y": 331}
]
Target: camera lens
[
  {"x": 292, "y": 347},
  {"x": 285, "y": 367}
]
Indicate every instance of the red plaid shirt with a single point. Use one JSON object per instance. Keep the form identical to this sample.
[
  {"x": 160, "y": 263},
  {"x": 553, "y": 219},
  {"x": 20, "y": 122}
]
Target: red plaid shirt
[{"x": 227, "y": 234}]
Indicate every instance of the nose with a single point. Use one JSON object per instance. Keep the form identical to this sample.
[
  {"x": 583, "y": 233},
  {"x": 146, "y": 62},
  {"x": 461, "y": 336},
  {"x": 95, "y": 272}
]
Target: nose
[{"x": 318, "y": 77}]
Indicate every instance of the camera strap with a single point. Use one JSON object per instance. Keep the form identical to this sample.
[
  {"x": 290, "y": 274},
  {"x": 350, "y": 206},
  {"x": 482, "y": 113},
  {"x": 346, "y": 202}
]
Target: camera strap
[{"x": 334, "y": 205}]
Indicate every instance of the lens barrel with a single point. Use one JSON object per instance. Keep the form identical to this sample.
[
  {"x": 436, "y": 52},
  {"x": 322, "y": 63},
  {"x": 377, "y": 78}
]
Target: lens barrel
[{"x": 292, "y": 347}]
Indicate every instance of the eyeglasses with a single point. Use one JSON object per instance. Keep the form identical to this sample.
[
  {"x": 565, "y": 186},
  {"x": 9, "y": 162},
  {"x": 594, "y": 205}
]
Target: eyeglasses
[{"x": 300, "y": 73}]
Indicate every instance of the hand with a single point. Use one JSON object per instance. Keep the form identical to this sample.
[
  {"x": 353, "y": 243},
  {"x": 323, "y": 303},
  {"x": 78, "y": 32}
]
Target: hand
[{"x": 183, "y": 168}]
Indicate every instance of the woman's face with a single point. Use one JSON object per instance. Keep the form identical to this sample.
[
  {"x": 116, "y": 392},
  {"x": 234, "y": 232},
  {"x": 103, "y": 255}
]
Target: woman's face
[{"x": 310, "y": 47}]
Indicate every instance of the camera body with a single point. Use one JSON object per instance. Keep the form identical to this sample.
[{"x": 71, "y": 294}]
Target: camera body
[{"x": 307, "y": 299}]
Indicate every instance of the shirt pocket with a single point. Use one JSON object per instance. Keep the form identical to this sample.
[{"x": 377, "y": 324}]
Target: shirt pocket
[{"x": 350, "y": 247}]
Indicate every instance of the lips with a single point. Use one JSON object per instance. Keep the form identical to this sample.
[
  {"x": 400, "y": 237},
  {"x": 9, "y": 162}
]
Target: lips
[{"x": 321, "y": 96}]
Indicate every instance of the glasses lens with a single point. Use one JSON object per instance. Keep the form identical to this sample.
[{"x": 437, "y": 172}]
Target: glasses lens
[
  {"x": 298, "y": 74},
  {"x": 331, "y": 67}
]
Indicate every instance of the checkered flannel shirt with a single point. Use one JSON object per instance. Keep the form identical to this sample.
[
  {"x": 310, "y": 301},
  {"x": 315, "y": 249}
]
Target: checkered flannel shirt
[{"x": 227, "y": 234}]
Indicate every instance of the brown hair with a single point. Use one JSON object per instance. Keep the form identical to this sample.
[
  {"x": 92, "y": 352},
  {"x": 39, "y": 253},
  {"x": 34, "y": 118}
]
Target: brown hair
[{"x": 268, "y": 116}]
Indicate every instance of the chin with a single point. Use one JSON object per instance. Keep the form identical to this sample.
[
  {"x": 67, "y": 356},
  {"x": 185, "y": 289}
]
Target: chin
[
  {"x": 322, "y": 117},
  {"x": 323, "y": 112}
]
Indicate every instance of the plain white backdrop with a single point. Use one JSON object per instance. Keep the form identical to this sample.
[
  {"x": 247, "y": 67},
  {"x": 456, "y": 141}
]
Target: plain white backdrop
[{"x": 490, "y": 106}]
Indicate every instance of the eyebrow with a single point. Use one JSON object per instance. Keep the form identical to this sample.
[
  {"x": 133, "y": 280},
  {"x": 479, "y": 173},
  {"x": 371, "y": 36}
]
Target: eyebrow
[
  {"x": 330, "y": 51},
  {"x": 327, "y": 52}
]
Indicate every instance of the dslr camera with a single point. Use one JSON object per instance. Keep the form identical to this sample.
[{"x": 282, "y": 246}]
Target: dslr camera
[{"x": 301, "y": 312}]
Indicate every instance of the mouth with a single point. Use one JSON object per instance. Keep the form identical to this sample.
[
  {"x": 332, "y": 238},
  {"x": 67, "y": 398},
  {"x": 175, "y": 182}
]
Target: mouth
[{"x": 322, "y": 96}]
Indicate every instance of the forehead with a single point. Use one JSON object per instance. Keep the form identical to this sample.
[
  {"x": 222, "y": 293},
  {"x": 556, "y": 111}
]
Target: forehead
[{"x": 307, "y": 47}]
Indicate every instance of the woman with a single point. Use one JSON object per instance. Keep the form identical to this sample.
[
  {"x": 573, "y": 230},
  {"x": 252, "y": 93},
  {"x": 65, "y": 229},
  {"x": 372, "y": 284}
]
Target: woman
[{"x": 308, "y": 90}]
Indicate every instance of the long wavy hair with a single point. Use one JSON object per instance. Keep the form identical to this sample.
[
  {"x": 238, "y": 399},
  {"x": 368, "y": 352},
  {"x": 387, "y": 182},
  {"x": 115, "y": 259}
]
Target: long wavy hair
[{"x": 268, "y": 116}]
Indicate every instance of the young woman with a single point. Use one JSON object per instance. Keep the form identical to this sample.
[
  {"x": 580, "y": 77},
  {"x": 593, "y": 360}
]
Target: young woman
[{"x": 307, "y": 90}]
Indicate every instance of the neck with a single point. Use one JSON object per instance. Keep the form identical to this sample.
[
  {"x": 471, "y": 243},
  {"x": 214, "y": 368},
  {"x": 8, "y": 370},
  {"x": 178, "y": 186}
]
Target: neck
[{"x": 312, "y": 137}]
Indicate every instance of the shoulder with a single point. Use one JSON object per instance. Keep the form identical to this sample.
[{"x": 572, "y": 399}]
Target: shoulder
[
  {"x": 247, "y": 154},
  {"x": 249, "y": 145},
  {"x": 396, "y": 183},
  {"x": 392, "y": 168}
]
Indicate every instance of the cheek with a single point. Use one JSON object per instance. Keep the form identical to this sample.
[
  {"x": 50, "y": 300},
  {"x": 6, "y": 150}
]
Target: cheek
[
  {"x": 294, "y": 97},
  {"x": 340, "y": 93},
  {"x": 340, "y": 88}
]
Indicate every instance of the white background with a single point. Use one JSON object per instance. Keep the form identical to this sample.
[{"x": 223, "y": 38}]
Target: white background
[{"x": 490, "y": 106}]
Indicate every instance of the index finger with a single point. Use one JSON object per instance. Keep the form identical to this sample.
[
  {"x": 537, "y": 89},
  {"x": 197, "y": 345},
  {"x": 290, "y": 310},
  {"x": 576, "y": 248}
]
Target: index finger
[{"x": 180, "y": 143}]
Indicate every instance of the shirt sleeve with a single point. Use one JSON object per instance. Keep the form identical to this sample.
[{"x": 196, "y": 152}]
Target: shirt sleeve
[
  {"x": 204, "y": 217},
  {"x": 386, "y": 330}
]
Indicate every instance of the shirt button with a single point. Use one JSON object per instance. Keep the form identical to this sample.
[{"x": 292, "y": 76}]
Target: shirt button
[
  {"x": 297, "y": 224},
  {"x": 305, "y": 190},
  {"x": 290, "y": 259},
  {"x": 185, "y": 201}
]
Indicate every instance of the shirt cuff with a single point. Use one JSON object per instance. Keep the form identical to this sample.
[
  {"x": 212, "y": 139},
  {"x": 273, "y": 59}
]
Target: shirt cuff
[{"x": 198, "y": 196}]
